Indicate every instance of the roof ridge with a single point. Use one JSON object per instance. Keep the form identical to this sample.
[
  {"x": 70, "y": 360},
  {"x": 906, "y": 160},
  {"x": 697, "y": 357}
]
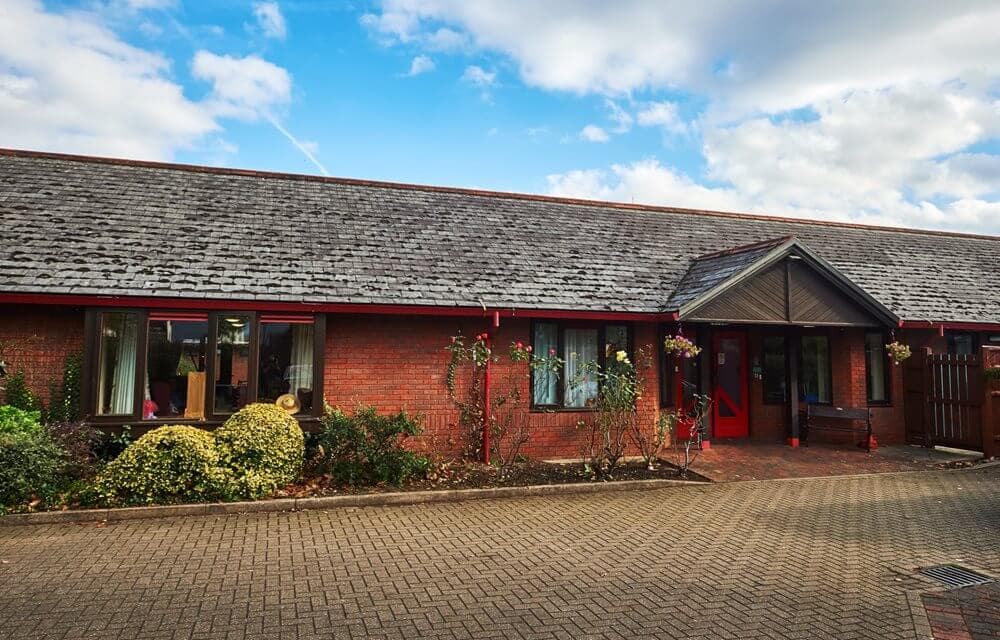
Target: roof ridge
[{"x": 512, "y": 195}]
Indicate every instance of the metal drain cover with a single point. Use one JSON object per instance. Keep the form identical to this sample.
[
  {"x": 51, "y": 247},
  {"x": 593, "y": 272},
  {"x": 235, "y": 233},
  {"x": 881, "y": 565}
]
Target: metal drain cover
[{"x": 955, "y": 576}]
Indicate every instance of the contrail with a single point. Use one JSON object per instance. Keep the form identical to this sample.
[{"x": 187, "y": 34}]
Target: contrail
[{"x": 298, "y": 145}]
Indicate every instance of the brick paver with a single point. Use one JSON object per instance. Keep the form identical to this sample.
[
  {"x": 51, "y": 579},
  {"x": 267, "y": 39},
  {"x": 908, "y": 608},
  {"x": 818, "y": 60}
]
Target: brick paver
[{"x": 829, "y": 558}]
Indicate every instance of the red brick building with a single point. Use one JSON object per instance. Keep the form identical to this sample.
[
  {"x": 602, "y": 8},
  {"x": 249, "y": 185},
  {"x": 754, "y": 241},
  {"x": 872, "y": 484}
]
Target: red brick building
[{"x": 193, "y": 290}]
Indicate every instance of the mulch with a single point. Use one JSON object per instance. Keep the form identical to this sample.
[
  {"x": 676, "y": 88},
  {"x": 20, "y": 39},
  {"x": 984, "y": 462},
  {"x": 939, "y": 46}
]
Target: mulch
[{"x": 469, "y": 475}]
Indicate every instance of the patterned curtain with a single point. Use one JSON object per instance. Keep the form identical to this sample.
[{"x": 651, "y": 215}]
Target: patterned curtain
[{"x": 580, "y": 349}]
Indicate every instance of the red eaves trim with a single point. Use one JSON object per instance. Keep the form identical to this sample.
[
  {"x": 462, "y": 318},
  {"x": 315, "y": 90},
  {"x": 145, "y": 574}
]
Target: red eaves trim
[
  {"x": 25, "y": 153},
  {"x": 308, "y": 307},
  {"x": 942, "y": 325}
]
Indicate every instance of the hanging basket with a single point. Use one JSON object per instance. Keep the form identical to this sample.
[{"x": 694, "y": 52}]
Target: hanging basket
[
  {"x": 898, "y": 352},
  {"x": 680, "y": 346}
]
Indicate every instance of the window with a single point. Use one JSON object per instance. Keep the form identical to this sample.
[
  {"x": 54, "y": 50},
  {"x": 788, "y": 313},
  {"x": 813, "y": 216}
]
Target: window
[
  {"x": 962, "y": 343},
  {"x": 876, "y": 368},
  {"x": 175, "y": 366},
  {"x": 232, "y": 363},
  {"x": 814, "y": 370},
  {"x": 545, "y": 383},
  {"x": 774, "y": 370},
  {"x": 116, "y": 363},
  {"x": 576, "y": 386},
  {"x": 286, "y": 361},
  {"x": 153, "y": 365}
]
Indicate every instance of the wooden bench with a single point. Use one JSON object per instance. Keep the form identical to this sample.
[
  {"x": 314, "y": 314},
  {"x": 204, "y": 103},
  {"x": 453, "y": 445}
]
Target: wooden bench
[{"x": 843, "y": 419}]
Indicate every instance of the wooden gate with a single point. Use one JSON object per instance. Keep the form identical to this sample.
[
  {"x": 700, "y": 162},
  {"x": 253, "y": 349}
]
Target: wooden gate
[{"x": 944, "y": 397}]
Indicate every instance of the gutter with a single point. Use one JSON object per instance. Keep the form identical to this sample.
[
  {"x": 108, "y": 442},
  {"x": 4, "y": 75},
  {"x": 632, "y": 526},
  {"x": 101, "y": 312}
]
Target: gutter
[
  {"x": 212, "y": 304},
  {"x": 942, "y": 326}
]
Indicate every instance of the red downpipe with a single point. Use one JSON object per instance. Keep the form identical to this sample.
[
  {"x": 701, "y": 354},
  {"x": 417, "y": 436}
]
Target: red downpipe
[{"x": 487, "y": 391}]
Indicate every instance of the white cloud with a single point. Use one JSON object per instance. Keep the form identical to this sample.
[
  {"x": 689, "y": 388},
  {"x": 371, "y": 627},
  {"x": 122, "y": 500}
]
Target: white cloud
[
  {"x": 661, "y": 114},
  {"x": 270, "y": 20},
  {"x": 421, "y": 64},
  {"x": 68, "y": 83},
  {"x": 478, "y": 76},
  {"x": 246, "y": 88},
  {"x": 848, "y": 110},
  {"x": 593, "y": 133},
  {"x": 622, "y": 119}
]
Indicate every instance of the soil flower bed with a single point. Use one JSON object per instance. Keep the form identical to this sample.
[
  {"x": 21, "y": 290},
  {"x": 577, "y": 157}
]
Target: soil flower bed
[{"x": 470, "y": 475}]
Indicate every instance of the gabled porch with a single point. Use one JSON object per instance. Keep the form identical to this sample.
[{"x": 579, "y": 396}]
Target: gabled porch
[{"x": 780, "y": 329}]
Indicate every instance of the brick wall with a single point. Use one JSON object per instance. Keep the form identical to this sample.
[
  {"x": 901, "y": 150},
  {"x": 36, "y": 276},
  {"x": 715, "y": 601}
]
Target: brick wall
[
  {"x": 40, "y": 339},
  {"x": 400, "y": 362}
]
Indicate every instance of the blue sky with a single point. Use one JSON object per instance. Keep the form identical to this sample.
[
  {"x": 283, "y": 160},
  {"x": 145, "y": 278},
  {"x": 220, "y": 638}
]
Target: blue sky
[{"x": 888, "y": 115}]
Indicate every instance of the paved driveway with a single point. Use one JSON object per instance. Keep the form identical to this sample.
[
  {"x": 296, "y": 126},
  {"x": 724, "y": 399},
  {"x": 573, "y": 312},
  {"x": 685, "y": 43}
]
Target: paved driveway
[{"x": 829, "y": 558}]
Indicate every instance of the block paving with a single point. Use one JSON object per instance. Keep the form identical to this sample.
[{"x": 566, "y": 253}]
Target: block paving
[{"x": 826, "y": 558}]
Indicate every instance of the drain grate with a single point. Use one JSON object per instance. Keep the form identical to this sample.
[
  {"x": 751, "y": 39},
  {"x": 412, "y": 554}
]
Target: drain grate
[{"x": 955, "y": 576}]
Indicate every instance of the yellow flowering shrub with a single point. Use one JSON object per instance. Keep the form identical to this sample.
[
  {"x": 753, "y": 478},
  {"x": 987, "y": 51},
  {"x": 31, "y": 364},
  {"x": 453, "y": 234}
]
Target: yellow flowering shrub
[
  {"x": 263, "y": 447},
  {"x": 168, "y": 464}
]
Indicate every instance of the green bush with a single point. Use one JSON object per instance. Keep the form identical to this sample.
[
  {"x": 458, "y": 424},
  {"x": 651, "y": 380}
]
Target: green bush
[
  {"x": 17, "y": 394},
  {"x": 15, "y": 421},
  {"x": 169, "y": 464},
  {"x": 366, "y": 448},
  {"x": 264, "y": 448},
  {"x": 30, "y": 464},
  {"x": 64, "y": 403}
]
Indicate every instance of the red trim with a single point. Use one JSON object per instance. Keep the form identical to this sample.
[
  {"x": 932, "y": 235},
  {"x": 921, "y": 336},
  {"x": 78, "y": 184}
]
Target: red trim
[
  {"x": 180, "y": 317},
  {"x": 793, "y": 443},
  {"x": 942, "y": 326},
  {"x": 287, "y": 319},
  {"x": 309, "y": 307}
]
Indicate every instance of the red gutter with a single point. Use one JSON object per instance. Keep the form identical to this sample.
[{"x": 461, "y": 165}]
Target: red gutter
[
  {"x": 308, "y": 307},
  {"x": 487, "y": 400},
  {"x": 940, "y": 327}
]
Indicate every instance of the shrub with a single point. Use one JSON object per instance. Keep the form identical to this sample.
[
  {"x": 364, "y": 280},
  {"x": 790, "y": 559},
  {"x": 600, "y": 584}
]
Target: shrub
[
  {"x": 80, "y": 442},
  {"x": 30, "y": 464},
  {"x": 366, "y": 448},
  {"x": 17, "y": 394},
  {"x": 169, "y": 464},
  {"x": 15, "y": 421},
  {"x": 263, "y": 446},
  {"x": 64, "y": 402}
]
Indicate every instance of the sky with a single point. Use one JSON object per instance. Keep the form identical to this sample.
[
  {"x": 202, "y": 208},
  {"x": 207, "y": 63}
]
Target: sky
[{"x": 884, "y": 113}]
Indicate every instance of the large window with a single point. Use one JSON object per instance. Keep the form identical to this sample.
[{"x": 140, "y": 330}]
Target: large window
[
  {"x": 773, "y": 370},
  {"x": 175, "y": 366},
  {"x": 876, "y": 368},
  {"x": 582, "y": 348},
  {"x": 118, "y": 340},
  {"x": 814, "y": 370},
  {"x": 286, "y": 361},
  {"x": 200, "y": 366}
]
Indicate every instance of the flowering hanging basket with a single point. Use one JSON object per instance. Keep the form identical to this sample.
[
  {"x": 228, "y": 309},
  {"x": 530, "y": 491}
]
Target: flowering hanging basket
[
  {"x": 680, "y": 346},
  {"x": 898, "y": 352}
]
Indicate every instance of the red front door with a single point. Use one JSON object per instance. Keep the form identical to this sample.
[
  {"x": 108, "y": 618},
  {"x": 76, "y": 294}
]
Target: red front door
[{"x": 730, "y": 416}]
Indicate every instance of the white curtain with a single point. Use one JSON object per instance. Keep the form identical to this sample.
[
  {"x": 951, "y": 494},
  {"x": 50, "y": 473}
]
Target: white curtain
[
  {"x": 123, "y": 379},
  {"x": 580, "y": 349},
  {"x": 301, "y": 370},
  {"x": 544, "y": 392}
]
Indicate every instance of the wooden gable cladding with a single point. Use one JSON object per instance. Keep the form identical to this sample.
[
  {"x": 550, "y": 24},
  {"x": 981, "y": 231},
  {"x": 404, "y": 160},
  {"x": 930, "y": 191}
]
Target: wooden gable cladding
[
  {"x": 762, "y": 298},
  {"x": 815, "y": 300},
  {"x": 790, "y": 291}
]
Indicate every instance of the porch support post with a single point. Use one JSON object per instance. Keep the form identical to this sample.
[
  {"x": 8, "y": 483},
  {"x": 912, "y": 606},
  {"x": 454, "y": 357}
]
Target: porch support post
[
  {"x": 705, "y": 378},
  {"x": 792, "y": 339},
  {"x": 990, "y": 413}
]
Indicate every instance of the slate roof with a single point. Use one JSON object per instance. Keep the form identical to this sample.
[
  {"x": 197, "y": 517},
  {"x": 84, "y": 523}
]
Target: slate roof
[
  {"x": 709, "y": 271},
  {"x": 74, "y": 225}
]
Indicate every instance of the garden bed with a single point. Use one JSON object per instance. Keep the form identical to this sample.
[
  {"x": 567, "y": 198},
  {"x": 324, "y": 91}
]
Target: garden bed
[{"x": 468, "y": 475}]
